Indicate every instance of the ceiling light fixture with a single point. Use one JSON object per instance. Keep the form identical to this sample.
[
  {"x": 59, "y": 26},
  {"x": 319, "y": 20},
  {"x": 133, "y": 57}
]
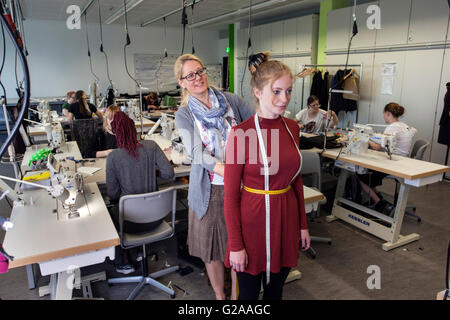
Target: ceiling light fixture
[
  {"x": 235, "y": 13},
  {"x": 120, "y": 12}
]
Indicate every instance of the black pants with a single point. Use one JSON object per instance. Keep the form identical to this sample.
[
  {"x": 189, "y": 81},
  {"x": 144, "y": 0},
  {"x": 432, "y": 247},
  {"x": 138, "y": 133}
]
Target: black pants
[{"x": 250, "y": 285}]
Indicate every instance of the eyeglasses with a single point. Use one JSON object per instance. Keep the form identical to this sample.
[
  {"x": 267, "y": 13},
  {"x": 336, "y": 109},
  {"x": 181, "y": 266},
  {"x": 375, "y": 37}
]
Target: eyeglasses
[{"x": 191, "y": 76}]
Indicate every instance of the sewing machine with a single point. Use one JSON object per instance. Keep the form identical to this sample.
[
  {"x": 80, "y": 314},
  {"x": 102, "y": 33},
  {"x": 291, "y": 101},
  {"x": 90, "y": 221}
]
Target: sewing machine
[{"x": 359, "y": 137}]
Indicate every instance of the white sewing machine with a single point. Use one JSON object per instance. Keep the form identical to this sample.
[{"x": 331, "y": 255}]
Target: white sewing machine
[{"x": 359, "y": 137}]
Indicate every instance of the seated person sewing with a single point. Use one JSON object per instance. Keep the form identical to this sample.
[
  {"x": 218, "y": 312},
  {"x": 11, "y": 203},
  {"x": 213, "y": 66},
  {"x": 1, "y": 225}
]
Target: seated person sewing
[
  {"x": 313, "y": 119},
  {"x": 104, "y": 141},
  {"x": 82, "y": 109},
  {"x": 132, "y": 169},
  {"x": 403, "y": 136},
  {"x": 70, "y": 99},
  {"x": 151, "y": 102}
]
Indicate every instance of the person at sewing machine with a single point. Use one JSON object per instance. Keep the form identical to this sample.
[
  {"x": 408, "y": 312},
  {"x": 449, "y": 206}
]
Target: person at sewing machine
[
  {"x": 70, "y": 99},
  {"x": 104, "y": 141},
  {"x": 151, "y": 102},
  {"x": 131, "y": 169},
  {"x": 403, "y": 137},
  {"x": 313, "y": 119},
  {"x": 82, "y": 109},
  {"x": 204, "y": 122}
]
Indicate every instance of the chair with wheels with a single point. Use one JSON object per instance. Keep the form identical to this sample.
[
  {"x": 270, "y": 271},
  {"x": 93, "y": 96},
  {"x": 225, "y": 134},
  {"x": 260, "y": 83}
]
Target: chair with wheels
[
  {"x": 147, "y": 208},
  {"x": 311, "y": 174},
  {"x": 417, "y": 152}
]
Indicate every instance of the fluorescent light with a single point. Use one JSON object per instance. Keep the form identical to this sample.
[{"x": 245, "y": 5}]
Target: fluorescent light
[
  {"x": 234, "y": 13},
  {"x": 120, "y": 12}
]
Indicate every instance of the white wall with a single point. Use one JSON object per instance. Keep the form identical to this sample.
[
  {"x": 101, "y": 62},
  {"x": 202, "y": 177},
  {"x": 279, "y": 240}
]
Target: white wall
[
  {"x": 418, "y": 84},
  {"x": 58, "y": 59}
]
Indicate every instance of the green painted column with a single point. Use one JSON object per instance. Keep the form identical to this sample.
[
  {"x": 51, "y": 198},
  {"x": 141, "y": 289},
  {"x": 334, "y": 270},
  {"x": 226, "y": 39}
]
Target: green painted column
[
  {"x": 325, "y": 7},
  {"x": 231, "y": 56}
]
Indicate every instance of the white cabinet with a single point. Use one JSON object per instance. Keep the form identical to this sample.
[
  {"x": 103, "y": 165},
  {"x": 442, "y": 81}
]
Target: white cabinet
[
  {"x": 290, "y": 36},
  {"x": 266, "y": 37},
  {"x": 277, "y": 37},
  {"x": 428, "y": 21},
  {"x": 394, "y": 22},
  {"x": 338, "y": 30},
  {"x": 305, "y": 33},
  {"x": 365, "y": 37}
]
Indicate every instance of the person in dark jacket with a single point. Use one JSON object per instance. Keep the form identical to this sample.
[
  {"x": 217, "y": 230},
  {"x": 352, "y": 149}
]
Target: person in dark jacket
[
  {"x": 444, "y": 123},
  {"x": 132, "y": 169},
  {"x": 104, "y": 141}
]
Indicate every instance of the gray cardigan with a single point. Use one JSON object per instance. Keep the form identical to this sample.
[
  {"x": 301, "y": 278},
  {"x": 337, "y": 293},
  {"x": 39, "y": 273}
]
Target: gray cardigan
[
  {"x": 126, "y": 175},
  {"x": 202, "y": 161}
]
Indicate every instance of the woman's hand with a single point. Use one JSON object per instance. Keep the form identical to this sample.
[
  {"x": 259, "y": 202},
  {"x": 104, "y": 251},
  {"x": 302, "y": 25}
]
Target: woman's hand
[
  {"x": 305, "y": 239},
  {"x": 238, "y": 260},
  {"x": 219, "y": 169}
]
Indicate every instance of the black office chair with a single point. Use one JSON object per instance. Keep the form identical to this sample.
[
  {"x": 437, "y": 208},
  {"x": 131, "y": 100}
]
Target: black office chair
[
  {"x": 311, "y": 174},
  {"x": 417, "y": 152},
  {"x": 83, "y": 131},
  {"x": 147, "y": 208}
]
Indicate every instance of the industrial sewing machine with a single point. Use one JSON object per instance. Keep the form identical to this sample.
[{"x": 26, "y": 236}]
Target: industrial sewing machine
[
  {"x": 359, "y": 137},
  {"x": 65, "y": 184}
]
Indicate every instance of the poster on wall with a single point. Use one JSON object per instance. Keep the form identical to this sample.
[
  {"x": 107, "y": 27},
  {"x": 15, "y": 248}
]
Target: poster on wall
[{"x": 388, "y": 72}]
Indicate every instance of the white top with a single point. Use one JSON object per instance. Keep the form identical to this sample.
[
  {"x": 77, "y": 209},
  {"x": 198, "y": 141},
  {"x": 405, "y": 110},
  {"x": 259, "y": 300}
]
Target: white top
[
  {"x": 311, "y": 125},
  {"x": 403, "y": 137}
]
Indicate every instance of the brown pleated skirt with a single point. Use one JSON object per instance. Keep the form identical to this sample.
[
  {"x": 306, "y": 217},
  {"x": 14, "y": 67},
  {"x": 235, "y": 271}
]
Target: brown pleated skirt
[{"x": 207, "y": 238}]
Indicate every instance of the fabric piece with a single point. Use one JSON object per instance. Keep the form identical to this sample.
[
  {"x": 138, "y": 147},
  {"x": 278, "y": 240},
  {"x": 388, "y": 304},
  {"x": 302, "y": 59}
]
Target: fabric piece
[
  {"x": 319, "y": 87},
  {"x": 337, "y": 101},
  {"x": 245, "y": 212},
  {"x": 207, "y": 238},
  {"x": 351, "y": 84},
  {"x": 101, "y": 141}
]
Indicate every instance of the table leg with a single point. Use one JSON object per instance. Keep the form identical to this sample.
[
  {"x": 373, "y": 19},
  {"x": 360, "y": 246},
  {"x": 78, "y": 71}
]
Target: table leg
[{"x": 30, "y": 276}]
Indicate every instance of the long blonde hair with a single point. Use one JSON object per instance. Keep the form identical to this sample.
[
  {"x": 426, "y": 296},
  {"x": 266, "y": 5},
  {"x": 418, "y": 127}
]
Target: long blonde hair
[
  {"x": 178, "y": 71},
  {"x": 109, "y": 115},
  {"x": 266, "y": 71}
]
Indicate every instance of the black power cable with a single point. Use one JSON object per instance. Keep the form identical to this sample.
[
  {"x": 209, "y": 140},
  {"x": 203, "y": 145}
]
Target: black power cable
[
  {"x": 26, "y": 96},
  {"x": 89, "y": 48},
  {"x": 192, "y": 29},
  {"x": 101, "y": 43},
  {"x": 249, "y": 44},
  {"x": 184, "y": 22},
  {"x": 128, "y": 42}
]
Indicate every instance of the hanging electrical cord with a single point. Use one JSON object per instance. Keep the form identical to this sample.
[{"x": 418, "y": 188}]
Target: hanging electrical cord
[
  {"x": 184, "y": 22},
  {"x": 3, "y": 62},
  {"x": 101, "y": 43},
  {"x": 192, "y": 29},
  {"x": 26, "y": 92},
  {"x": 165, "y": 38},
  {"x": 127, "y": 43},
  {"x": 354, "y": 32},
  {"x": 89, "y": 48},
  {"x": 249, "y": 44},
  {"x": 21, "y": 27}
]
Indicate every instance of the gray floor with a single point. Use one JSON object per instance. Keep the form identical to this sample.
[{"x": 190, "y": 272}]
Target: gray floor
[{"x": 414, "y": 271}]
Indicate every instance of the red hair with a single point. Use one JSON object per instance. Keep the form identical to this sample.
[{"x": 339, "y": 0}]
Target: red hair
[{"x": 124, "y": 129}]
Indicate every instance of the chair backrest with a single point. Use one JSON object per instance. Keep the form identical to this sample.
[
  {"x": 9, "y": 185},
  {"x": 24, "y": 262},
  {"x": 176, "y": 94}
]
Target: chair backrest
[
  {"x": 83, "y": 131},
  {"x": 419, "y": 148},
  {"x": 148, "y": 207},
  {"x": 311, "y": 168}
]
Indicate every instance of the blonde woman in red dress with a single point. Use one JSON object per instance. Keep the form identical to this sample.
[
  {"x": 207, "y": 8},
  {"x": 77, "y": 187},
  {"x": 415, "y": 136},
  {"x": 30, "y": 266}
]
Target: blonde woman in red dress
[{"x": 264, "y": 202}]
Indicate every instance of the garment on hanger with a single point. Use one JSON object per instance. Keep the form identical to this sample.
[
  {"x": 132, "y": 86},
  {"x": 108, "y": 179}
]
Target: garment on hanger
[
  {"x": 444, "y": 123},
  {"x": 337, "y": 101},
  {"x": 319, "y": 87},
  {"x": 351, "y": 84}
]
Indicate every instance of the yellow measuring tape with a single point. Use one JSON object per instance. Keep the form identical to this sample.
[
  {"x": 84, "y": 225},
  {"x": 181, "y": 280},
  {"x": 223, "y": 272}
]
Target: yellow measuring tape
[{"x": 257, "y": 191}]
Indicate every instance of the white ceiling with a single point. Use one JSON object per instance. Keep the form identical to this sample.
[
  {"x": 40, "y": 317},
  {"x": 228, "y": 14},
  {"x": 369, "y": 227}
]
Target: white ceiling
[{"x": 149, "y": 9}]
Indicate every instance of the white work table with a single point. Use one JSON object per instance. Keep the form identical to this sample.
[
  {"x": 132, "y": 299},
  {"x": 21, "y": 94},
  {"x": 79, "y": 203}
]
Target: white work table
[
  {"x": 70, "y": 149},
  {"x": 409, "y": 172},
  {"x": 57, "y": 243}
]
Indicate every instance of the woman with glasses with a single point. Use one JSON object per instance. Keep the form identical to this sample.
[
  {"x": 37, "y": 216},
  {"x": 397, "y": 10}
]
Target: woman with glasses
[
  {"x": 204, "y": 121},
  {"x": 313, "y": 119}
]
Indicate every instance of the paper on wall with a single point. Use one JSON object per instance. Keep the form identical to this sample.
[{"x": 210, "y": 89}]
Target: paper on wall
[{"x": 387, "y": 84}]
